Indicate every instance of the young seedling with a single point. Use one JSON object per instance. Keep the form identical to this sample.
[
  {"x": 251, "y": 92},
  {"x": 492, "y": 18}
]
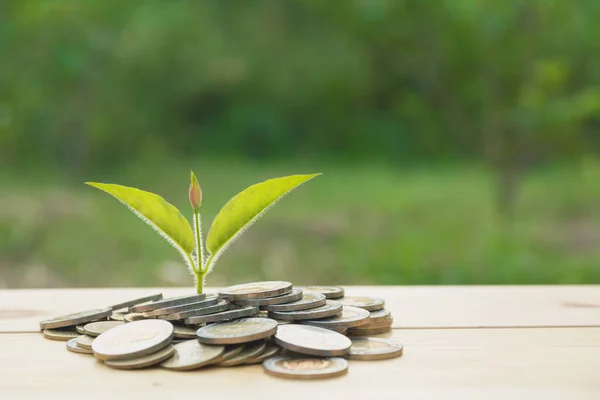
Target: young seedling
[{"x": 237, "y": 215}]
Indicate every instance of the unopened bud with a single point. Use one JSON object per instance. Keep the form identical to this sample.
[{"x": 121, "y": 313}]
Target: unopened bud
[{"x": 195, "y": 193}]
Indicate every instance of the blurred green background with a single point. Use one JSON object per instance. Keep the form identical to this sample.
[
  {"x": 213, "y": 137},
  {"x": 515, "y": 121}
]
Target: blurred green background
[{"x": 458, "y": 139}]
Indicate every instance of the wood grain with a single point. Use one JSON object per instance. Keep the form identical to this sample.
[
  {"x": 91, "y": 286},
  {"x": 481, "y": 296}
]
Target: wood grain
[
  {"x": 558, "y": 363},
  {"x": 412, "y": 306}
]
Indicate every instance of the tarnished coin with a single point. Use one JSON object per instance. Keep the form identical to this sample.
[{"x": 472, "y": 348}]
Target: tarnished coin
[
  {"x": 256, "y": 290},
  {"x": 239, "y": 331},
  {"x": 359, "y": 331},
  {"x": 305, "y": 367},
  {"x": 211, "y": 301},
  {"x": 96, "y": 328},
  {"x": 312, "y": 340},
  {"x": 222, "y": 305},
  {"x": 75, "y": 348},
  {"x": 184, "y": 332},
  {"x": 331, "y": 292},
  {"x": 135, "y": 339},
  {"x": 131, "y": 317},
  {"x": 373, "y": 349},
  {"x": 349, "y": 317},
  {"x": 80, "y": 329},
  {"x": 380, "y": 315},
  {"x": 223, "y": 316},
  {"x": 270, "y": 350},
  {"x": 131, "y": 303},
  {"x": 294, "y": 295},
  {"x": 364, "y": 302},
  {"x": 330, "y": 309},
  {"x": 249, "y": 351},
  {"x": 85, "y": 341},
  {"x": 60, "y": 334},
  {"x": 143, "y": 361},
  {"x": 75, "y": 319},
  {"x": 192, "y": 354},
  {"x": 117, "y": 316},
  {"x": 173, "y": 301},
  {"x": 308, "y": 300}
]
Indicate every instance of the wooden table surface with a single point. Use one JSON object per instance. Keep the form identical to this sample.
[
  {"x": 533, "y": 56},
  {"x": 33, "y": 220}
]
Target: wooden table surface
[{"x": 460, "y": 342}]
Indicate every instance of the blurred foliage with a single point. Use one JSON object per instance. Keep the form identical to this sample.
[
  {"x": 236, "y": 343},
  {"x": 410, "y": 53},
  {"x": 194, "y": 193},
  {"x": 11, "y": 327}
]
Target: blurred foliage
[
  {"x": 97, "y": 82},
  {"x": 140, "y": 91}
]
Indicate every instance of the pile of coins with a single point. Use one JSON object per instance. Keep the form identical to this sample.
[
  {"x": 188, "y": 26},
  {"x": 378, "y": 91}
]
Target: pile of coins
[{"x": 300, "y": 333}]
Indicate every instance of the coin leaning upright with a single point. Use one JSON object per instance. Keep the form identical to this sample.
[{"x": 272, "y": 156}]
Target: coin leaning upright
[
  {"x": 238, "y": 331},
  {"x": 256, "y": 290},
  {"x": 312, "y": 340},
  {"x": 305, "y": 367},
  {"x": 135, "y": 339},
  {"x": 192, "y": 354}
]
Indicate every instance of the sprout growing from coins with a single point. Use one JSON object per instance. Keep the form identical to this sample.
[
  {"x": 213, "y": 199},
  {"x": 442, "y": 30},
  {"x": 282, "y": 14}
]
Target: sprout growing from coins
[{"x": 236, "y": 216}]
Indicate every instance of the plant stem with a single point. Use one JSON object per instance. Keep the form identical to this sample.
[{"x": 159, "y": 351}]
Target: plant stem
[
  {"x": 199, "y": 244},
  {"x": 199, "y": 282}
]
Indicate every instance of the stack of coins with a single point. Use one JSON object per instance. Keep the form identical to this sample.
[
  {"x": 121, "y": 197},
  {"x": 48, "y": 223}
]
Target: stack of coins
[{"x": 301, "y": 333}]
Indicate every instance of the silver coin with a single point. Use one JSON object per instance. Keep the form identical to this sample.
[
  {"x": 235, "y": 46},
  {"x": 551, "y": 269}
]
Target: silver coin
[
  {"x": 331, "y": 292},
  {"x": 174, "y": 301},
  {"x": 222, "y": 305},
  {"x": 330, "y": 309},
  {"x": 75, "y": 348},
  {"x": 184, "y": 332},
  {"x": 80, "y": 329},
  {"x": 60, "y": 334},
  {"x": 256, "y": 290},
  {"x": 378, "y": 324},
  {"x": 364, "y": 302},
  {"x": 135, "y": 339},
  {"x": 192, "y": 354},
  {"x": 131, "y": 303},
  {"x": 349, "y": 317},
  {"x": 367, "y": 349},
  {"x": 132, "y": 317},
  {"x": 75, "y": 318},
  {"x": 96, "y": 328},
  {"x": 117, "y": 316},
  {"x": 223, "y": 316},
  {"x": 298, "y": 367},
  {"x": 211, "y": 301},
  {"x": 271, "y": 350},
  {"x": 294, "y": 295},
  {"x": 249, "y": 351},
  {"x": 144, "y": 361},
  {"x": 312, "y": 340},
  {"x": 239, "y": 331},
  {"x": 85, "y": 341},
  {"x": 309, "y": 300},
  {"x": 360, "y": 331},
  {"x": 230, "y": 352},
  {"x": 379, "y": 315}
]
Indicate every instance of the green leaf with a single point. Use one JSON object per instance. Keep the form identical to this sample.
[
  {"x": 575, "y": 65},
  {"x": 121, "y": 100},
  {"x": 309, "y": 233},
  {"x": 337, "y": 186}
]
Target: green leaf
[
  {"x": 156, "y": 212},
  {"x": 245, "y": 208}
]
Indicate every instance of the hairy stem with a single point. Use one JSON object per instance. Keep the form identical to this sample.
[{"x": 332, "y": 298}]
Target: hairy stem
[
  {"x": 199, "y": 282},
  {"x": 198, "y": 239}
]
